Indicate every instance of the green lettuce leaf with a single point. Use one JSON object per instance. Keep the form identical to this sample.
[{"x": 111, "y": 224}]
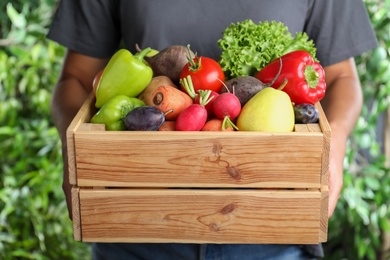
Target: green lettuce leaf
[{"x": 248, "y": 47}]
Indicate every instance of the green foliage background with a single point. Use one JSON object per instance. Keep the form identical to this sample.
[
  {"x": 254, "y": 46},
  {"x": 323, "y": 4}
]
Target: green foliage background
[
  {"x": 362, "y": 217},
  {"x": 33, "y": 218}
]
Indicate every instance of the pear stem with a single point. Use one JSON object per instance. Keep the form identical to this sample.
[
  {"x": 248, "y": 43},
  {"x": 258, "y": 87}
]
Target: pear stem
[{"x": 284, "y": 83}]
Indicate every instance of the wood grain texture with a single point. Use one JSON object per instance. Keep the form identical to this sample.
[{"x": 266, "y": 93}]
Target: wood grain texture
[
  {"x": 198, "y": 159},
  {"x": 201, "y": 187},
  {"x": 200, "y": 216},
  {"x": 327, "y": 135},
  {"x": 76, "y": 216},
  {"x": 324, "y": 214},
  {"x": 83, "y": 115}
]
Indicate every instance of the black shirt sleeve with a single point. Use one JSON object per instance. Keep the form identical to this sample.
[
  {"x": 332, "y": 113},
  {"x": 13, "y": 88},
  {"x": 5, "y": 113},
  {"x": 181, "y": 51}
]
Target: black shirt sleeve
[
  {"x": 98, "y": 18},
  {"x": 340, "y": 29}
]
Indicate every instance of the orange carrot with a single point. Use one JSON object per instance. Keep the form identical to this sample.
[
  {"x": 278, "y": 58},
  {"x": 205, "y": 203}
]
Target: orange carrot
[
  {"x": 170, "y": 101},
  {"x": 216, "y": 125},
  {"x": 167, "y": 126}
]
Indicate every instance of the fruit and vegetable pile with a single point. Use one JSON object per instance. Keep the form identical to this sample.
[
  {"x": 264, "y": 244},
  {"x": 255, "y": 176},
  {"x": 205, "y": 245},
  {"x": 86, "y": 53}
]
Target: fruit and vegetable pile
[{"x": 266, "y": 80}]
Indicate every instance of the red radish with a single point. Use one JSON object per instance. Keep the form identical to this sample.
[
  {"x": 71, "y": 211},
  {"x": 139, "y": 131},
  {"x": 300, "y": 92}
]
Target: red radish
[
  {"x": 188, "y": 87},
  {"x": 200, "y": 96},
  {"x": 207, "y": 94},
  {"x": 192, "y": 118},
  {"x": 227, "y": 106}
]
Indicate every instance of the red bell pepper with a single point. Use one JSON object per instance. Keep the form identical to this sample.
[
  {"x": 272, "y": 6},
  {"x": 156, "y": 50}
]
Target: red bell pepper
[{"x": 305, "y": 77}]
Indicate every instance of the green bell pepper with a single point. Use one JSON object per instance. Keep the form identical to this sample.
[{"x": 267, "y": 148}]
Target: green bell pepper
[
  {"x": 114, "y": 111},
  {"x": 125, "y": 74}
]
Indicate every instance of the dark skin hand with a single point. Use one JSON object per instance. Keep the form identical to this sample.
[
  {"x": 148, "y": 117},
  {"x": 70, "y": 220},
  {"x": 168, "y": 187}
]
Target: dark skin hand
[
  {"x": 73, "y": 87},
  {"x": 342, "y": 105}
]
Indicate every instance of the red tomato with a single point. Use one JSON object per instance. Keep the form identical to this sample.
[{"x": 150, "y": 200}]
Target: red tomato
[{"x": 205, "y": 73}]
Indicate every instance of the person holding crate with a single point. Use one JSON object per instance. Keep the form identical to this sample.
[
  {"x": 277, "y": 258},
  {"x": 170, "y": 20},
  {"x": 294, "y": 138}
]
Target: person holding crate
[{"x": 92, "y": 30}]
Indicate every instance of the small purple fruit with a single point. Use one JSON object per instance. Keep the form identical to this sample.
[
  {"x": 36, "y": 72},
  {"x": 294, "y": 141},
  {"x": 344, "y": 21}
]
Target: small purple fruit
[
  {"x": 145, "y": 118},
  {"x": 305, "y": 114}
]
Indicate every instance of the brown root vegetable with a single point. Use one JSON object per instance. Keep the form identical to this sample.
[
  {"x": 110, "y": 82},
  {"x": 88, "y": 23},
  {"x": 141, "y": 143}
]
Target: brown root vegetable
[
  {"x": 147, "y": 94},
  {"x": 169, "y": 61},
  {"x": 245, "y": 87}
]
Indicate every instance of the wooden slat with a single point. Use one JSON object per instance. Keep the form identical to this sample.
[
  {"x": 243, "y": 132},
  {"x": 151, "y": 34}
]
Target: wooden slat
[
  {"x": 324, "y": 208},
  {"x": 91, "y": 127},
  {"x": 198, "y": 159},
  {"x": 301, "y": 128},
  {"x": 305, "y": 128},
  {"x": 200, "y": 216},
  {"x": 83, "y": 115},
  {"x": 326, "y": 131},
  {"x": 76, "y": 217}
]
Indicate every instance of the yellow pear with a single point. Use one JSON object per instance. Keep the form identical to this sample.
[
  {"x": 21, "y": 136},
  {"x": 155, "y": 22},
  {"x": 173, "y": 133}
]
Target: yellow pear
[{"x": 270, "y": 110}]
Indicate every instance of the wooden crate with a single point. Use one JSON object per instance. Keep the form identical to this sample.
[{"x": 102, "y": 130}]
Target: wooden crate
[{"x": 198, "y": 187}]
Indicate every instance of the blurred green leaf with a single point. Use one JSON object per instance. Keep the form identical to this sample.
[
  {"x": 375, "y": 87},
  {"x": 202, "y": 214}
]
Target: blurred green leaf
[
  {"x": 34, "y": 222},
  {"x": 18, "y": 19},
  {"x": 372, "y": 183}
]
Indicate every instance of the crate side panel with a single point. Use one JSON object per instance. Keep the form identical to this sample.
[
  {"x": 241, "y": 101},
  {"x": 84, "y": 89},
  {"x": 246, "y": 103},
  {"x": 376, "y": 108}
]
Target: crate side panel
[
  {"x": 324, "y": 214},
  {"x": 327, "y": 134},
  {"x": 200, "y": 216},
  {"x": 76, "y": 220},
  {"x": 83, "y": 115},
  {"x": 125, "y": 159}
]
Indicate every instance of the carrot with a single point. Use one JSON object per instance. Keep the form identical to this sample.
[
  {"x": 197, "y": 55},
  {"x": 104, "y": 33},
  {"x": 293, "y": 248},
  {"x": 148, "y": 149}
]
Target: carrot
[
  {"x": 167, "y": 126},
  {"x": 216, "y": 124},
  {"x": 170, "y": 101}
]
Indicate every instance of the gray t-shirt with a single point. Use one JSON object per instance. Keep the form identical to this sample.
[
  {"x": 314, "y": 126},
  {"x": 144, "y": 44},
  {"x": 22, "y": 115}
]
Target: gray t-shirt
[{"x": 340, "y": 28}]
